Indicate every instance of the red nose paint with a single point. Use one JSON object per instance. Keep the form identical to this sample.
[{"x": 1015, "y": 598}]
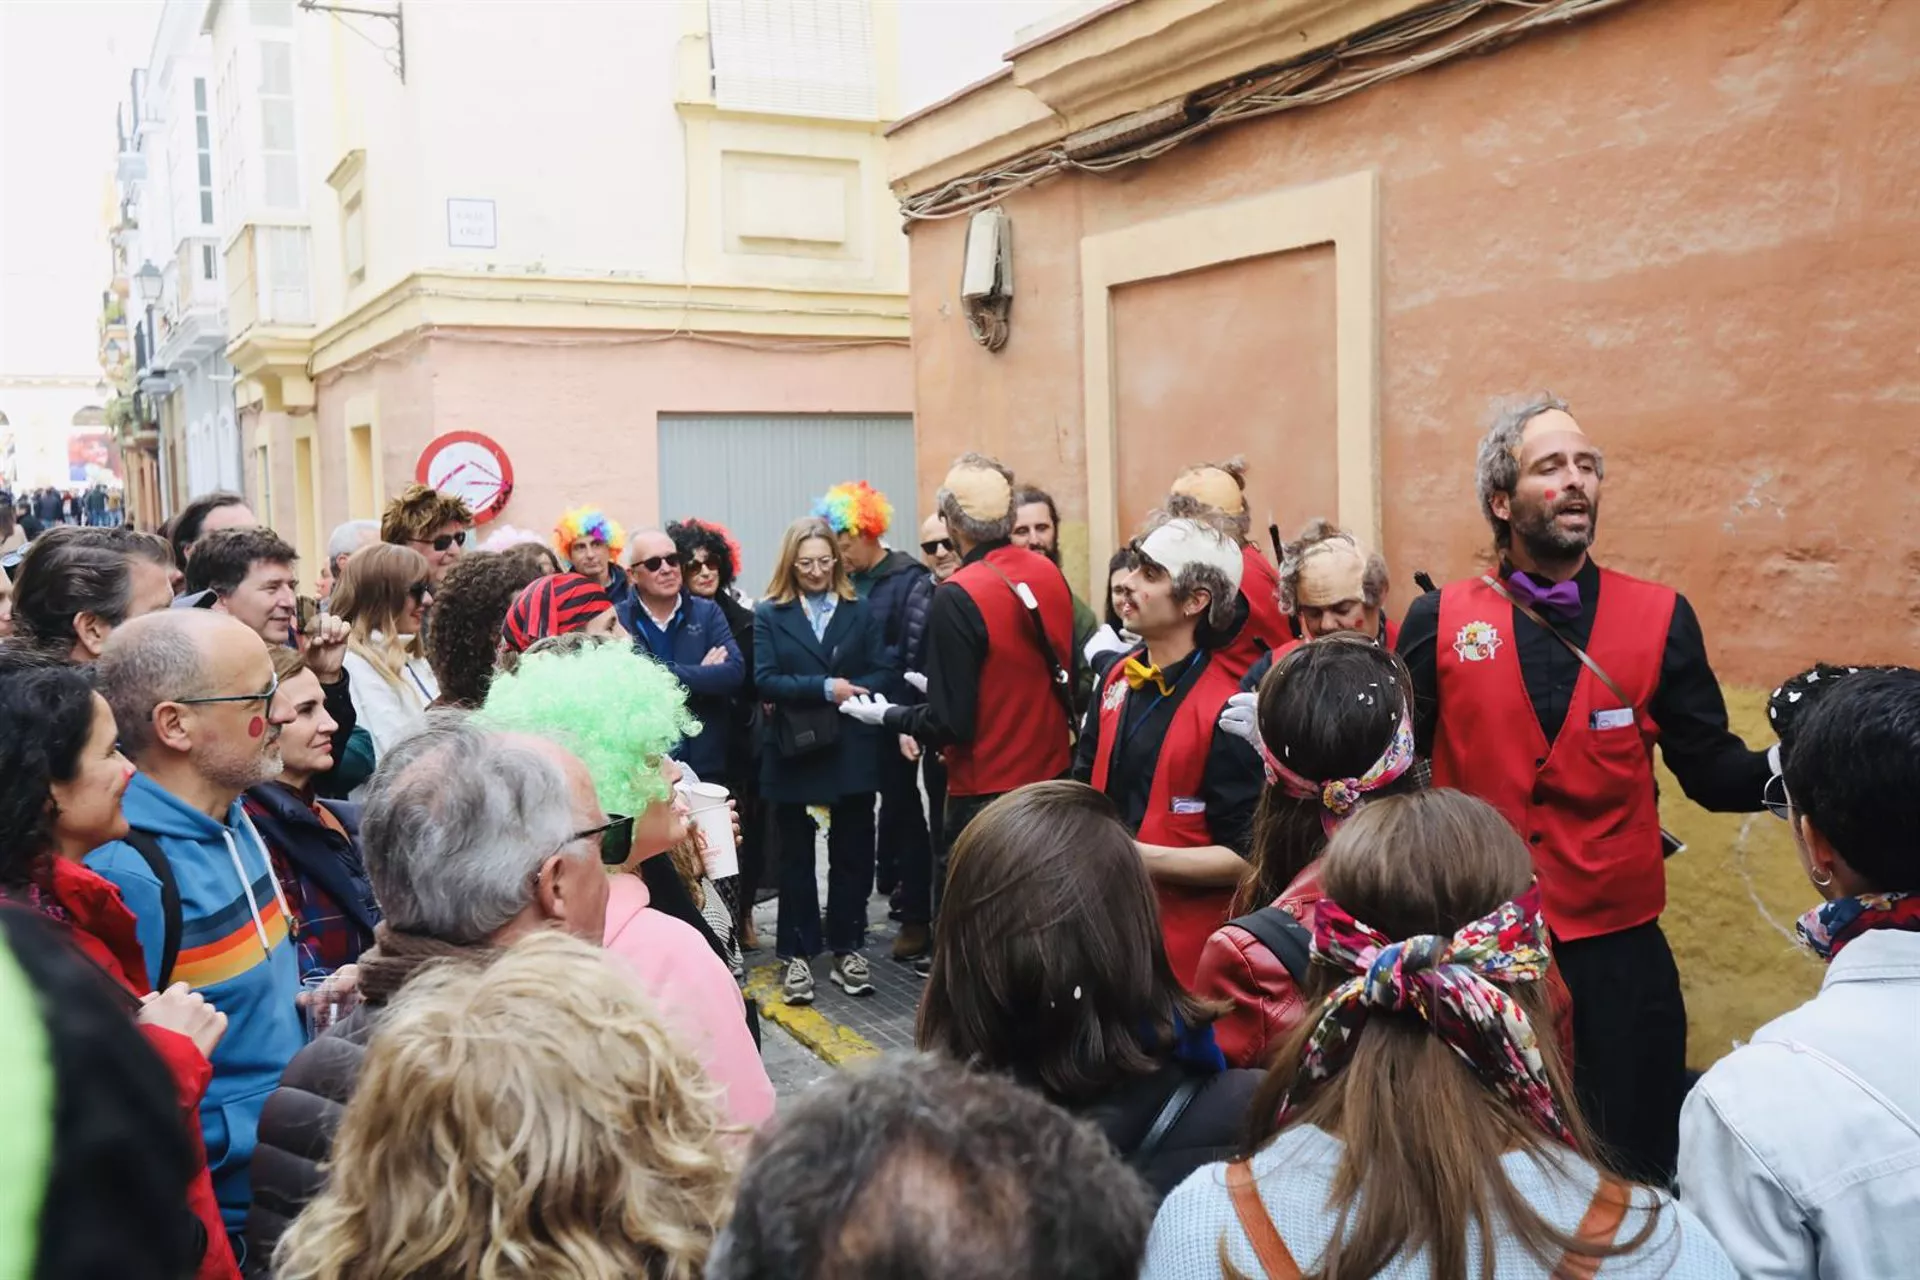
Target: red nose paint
[{"x": 256, "y": 727}]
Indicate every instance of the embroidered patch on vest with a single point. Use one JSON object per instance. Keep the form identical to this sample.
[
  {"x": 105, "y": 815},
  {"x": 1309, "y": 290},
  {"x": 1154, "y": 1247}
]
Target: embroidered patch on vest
[
  {"x": 1115, "y": 695},
  {"x": 1477, "y": 642},
  {"x": 1189, "y": 804}
]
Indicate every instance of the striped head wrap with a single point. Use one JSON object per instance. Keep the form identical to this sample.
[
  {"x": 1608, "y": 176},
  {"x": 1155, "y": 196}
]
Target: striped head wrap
[
  {"x": 553, "y": 606},
  {"x": 855, "y": 507}
]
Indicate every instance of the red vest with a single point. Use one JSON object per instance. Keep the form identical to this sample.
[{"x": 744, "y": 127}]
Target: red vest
[
  {"x": 1020, "y": 730},
  {"x": 1260, "y": 584},
  {"x": 1188, "y": 913},
  {"x": 1586, "y": 807}
]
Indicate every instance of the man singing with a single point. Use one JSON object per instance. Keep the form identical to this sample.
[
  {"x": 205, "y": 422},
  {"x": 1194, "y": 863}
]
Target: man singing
[{"x": 1542, "y": 688}]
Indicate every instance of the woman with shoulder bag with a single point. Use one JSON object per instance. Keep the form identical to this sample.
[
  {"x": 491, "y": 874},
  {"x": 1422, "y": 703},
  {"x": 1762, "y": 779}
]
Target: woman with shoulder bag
[{"x": 813, "y": 648}]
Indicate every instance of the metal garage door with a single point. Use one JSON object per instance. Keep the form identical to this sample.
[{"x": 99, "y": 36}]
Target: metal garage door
[{"x": 756, "y": 473}]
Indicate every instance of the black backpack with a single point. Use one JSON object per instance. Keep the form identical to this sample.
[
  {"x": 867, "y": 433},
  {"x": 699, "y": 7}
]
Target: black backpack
[{"x": 1288, "y": 939}]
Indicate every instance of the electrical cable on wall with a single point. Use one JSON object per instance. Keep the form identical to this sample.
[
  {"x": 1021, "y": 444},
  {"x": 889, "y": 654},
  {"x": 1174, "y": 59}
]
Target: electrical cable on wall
[{"x": 1326, "y": 75}]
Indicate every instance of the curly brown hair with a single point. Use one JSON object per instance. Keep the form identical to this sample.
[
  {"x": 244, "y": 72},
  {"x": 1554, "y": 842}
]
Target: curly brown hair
[
  {"x": 469, "y": 610},
  {"x": 417, "y": 514}
]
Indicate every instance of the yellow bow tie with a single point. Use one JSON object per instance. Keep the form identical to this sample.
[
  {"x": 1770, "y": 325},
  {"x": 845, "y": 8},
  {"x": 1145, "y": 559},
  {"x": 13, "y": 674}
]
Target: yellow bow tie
[{"x": 1138, "y": 674}]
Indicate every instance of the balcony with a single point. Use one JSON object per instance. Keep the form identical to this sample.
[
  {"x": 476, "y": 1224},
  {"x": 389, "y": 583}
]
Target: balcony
[
  {"x": 270, "y": 315},
  {"x": 191, "y": 315}
]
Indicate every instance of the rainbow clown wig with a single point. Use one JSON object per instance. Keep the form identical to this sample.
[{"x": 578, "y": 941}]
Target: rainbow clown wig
[
  {"x": 619, "y": 711},
  {"x": 855, "y": 507},
  {"x": 587, "y": 522}
]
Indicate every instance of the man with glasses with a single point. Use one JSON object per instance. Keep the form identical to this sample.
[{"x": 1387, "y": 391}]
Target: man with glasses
[
  {"x": 433, "y": 523},
  {"x": 472, "y": 838},
  {"x": 689, "y": 635},
  {"x": 193, "y": 694}
]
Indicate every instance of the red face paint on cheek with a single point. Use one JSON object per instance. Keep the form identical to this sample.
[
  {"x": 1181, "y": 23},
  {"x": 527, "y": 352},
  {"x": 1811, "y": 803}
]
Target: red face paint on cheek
[
  {"x": 1552, "y": 494},
  {"x": 256, "y": 727}
]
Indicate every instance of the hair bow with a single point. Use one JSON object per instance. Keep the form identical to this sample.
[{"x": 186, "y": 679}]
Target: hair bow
[{"x": 1341, "y": 796}]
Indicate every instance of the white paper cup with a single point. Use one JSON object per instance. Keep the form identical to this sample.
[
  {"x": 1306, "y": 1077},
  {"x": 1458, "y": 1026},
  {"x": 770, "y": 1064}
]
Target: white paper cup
[{"x": 707, "y": 806}]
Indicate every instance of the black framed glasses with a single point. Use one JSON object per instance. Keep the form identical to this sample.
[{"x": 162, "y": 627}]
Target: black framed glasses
[
  {"x": 616, "y": 838},
  {"x": 446, "y": 540},
  {"x": 420, "y": 591},
  {"x": 652, "y": 564},
  {"x": 265, "y": 696},
  {"x": 1774, "y": 797},
  {"x": 936, "y": 546}
]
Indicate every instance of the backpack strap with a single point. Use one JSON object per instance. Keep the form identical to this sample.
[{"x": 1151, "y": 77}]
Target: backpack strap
[
  {"x": 1268, "y": 1247},
  {"x": 1280, "y": 933},
  {"x": 1605, "y": 1213},
  {"x": 1170, "y": 1113},
  {"x": 143, "y": 843}
]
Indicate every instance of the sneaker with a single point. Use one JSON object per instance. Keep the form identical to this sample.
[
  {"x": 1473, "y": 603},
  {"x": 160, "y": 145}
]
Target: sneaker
[
  {"x": 923, "y": 965},
  {"x": 850, "y": 974},
  {"x": 914, "y": 940},
  {"x": 798, "y": 988}
]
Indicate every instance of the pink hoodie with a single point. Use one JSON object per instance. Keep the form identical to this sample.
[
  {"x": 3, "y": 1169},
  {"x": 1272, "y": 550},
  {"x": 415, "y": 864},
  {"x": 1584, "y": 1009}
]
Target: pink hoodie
[{"x": 695, "y": 995}]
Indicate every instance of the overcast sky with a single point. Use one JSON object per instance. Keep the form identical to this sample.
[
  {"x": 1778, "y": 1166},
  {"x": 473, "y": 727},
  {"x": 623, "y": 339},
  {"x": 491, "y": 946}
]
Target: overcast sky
[{"x": 64, "y": 66}]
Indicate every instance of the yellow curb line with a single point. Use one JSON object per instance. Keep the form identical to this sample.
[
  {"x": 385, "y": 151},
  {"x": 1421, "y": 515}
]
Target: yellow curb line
[{"x": 830, "y": 1042}]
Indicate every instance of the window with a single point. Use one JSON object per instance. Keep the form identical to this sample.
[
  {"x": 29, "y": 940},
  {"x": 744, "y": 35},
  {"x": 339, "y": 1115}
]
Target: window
[
  {"x": 284, "y": 296},
  {"x": 206, "y": 262},
  {"x": 279, "y": 164},
  {"x": 794, "y": 57},
  {"x": 203, "y": 146},
  {"x": 233, "y": 151}
]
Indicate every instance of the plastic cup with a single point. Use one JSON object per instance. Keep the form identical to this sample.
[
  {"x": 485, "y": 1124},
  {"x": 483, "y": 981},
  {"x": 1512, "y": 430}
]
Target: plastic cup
[
  {"x": 322, "y": 1010},
  {"x": 707, "y": 806}
]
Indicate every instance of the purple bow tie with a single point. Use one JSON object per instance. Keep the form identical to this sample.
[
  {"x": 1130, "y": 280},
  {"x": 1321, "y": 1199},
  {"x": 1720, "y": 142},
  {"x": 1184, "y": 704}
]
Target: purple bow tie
[{"x": 1561, "y": 599}]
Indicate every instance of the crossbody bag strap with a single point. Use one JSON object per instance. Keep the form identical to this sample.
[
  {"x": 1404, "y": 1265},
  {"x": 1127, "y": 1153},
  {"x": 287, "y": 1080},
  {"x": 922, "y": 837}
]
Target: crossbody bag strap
[
  {"x": 1586, "y": 659},
  {"x": 1061, "y": 679},
  {"x": 1605, "y": 1213},
  {"x": 1268, "y": 1247},
  {"x": 1170, "y": 1112}
]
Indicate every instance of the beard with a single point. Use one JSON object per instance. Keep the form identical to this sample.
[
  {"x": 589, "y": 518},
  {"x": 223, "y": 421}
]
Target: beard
[
  {"x": 1051, "y": 552},
  {"x": 1538, "y": 530},
  {"x": 242, "y": 769}
]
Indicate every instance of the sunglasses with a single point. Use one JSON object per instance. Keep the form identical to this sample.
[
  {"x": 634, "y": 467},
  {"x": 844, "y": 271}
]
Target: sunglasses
[
  {"x": 446, "y": 540},
  {"x": 936, "y": 546},
  {"x": 703, "y": 566},
  {"x": 264, "y": 696},
  {"x": 616, "y": 839},
  {"x": 420, "y": 591},
  {"x": 652, "y": 564}
]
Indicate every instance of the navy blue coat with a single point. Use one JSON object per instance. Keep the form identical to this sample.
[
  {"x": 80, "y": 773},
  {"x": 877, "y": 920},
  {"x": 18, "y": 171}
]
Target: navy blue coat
[
  {"x": 698, "y": 627},
  {"x": 791, "y": 667},
  {"x": 317, "y": 853}
]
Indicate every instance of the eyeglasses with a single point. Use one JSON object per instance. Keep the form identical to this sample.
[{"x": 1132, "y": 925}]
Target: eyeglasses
[
  {"x": 420, "y": 591},
  {"x": 652, "y": 564},
  {"x": 815, "y": 564},
  {"x": 446, "y": 540},
  {"x": 616, "y": 838},
  {"x": 1774, "y": 797},
  {"x": 264, "y": 696},
  {"x": 936, "y": 546}
]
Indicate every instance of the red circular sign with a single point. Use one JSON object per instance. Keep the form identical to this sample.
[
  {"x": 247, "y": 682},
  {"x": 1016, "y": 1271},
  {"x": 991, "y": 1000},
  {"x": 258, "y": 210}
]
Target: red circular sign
[{"x": 471, "y": 467}]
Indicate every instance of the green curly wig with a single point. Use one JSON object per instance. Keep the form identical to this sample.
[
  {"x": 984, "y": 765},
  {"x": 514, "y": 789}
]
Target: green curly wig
[{"x": 617, "y": 710}]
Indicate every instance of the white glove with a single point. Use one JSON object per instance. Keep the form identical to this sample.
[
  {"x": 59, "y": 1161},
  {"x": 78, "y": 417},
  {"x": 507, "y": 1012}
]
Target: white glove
[
  {"x": 1106, "y": 640},
  {"x": 1239, "y": 718},
  {"x": 917, "y": 680},
  {"x": 866, "y": 708}
]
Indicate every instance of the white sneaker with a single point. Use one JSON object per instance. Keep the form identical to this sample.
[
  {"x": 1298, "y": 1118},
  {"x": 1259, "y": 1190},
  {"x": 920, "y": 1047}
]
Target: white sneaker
[
  {"x": 798, "y": 988},
  {"x": 850, "y": 974}
]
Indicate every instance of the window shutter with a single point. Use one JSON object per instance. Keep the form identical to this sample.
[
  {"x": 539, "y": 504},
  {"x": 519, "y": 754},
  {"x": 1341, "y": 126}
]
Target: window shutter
[{"x": 794, "y": 57}]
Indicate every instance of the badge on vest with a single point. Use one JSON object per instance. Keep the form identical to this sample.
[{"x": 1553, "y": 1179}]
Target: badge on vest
[
  {"x": 1618, "y": 718},
  {"x": 1477, "y": 642},
  {"x": 1189, "y": 804},
  {"x": 1115, "y": 695}
]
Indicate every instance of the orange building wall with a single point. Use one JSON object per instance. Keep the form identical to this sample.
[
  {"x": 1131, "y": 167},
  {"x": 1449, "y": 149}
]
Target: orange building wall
[{"x": 1697, "y": 220}]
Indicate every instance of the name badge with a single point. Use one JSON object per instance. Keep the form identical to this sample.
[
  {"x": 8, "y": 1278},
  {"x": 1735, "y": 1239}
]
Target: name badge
[
  {"x": 1189, "y": 804},
  {"x": 1618, "y": 718}
]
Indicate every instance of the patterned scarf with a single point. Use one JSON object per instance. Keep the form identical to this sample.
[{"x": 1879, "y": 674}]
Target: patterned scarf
[
  {"x": 1341, "y": 796},
  {"x": 1453, "y": 984},
  {"x": 1832, "y": 925}
]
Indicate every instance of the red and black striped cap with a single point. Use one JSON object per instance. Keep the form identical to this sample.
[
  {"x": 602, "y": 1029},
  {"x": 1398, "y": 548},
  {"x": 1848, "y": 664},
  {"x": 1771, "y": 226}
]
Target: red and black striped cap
[{"x": 553, "y": 606}]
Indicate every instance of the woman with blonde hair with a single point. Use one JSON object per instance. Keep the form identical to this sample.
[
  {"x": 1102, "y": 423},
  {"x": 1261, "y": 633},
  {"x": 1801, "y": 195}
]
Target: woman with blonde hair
[
  {"x": 815, "y": 646},
  {"x": 384, "y": 593},
  {"x": 529, "y": 1119}
]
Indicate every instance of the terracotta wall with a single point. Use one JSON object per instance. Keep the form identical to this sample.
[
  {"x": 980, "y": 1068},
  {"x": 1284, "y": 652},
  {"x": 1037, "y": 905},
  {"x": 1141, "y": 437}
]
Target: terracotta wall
[
  {"x": 1695, "y": 219},
  {"x": 579, "y": 422}
]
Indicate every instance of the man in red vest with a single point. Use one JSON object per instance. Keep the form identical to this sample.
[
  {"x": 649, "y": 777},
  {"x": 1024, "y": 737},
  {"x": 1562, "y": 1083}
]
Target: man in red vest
[
  {"x": 1222, "y": 486},
  {"x": 1000, "y": 658},
  {"x": 1149, "y": 742},
  {"x": 1329, "y": 583},
  {"x": 1542, "y": 688}
]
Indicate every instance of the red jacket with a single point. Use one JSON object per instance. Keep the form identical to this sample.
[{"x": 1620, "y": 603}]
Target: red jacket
[
  {"x": 103, "y": 931},
  {"x": 1268, "y": 1007}
]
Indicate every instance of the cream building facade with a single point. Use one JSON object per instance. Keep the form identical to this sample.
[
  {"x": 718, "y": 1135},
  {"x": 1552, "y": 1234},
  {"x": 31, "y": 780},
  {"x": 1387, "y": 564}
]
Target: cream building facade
[{"x": 647, "y": 251}]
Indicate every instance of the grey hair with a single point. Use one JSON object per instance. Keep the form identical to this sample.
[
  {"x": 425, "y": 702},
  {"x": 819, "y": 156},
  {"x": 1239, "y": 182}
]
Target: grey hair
[
  {"x": 918, "y": 1166},
  {"x": 348, "y": 538},
  {"x": 457, "y": 821},
  {"x": 976, "y": 532},
  {"x": 144, "y": 664},
  {"x": 1497, "y": 470},
  {"x": 1223, "y": 596},
  {"x": 1293, "y": 557}
]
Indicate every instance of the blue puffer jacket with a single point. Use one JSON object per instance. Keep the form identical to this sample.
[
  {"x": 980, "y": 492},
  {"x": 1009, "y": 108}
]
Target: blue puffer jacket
[
  {"x": 887, "y": 588},
  {"x": 913, "y": 647}
]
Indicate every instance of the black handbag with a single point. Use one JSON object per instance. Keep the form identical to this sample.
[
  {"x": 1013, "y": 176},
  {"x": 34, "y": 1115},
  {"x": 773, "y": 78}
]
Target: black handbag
[{"x": 801, "y": 731}]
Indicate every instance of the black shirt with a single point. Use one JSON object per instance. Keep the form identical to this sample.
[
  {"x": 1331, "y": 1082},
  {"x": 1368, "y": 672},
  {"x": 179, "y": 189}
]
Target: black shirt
[
  {"x": 1714, "y": 767},
  {"x": 1230, "y": 782}
]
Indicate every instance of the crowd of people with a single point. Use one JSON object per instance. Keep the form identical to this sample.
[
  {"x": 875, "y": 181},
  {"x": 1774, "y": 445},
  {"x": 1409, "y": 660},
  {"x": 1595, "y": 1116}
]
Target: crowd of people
[{"x": 399, "y": 929}]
